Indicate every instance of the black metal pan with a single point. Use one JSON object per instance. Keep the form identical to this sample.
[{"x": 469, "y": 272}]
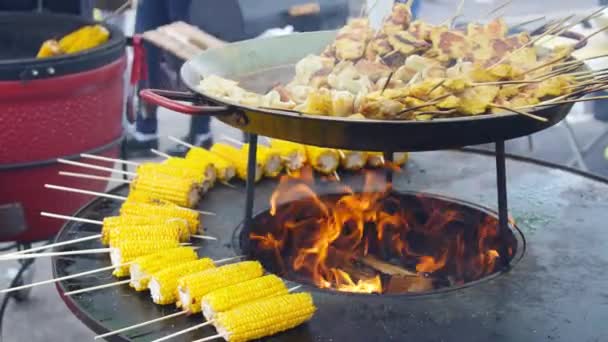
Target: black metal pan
[{"x": 260, "y": 63}]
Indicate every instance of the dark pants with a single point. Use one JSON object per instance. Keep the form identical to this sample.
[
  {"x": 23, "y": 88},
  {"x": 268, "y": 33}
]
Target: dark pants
[{"x": 150, "y": 15}]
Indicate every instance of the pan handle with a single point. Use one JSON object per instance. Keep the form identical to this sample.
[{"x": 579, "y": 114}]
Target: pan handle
[{"x": 168, "y": 99}]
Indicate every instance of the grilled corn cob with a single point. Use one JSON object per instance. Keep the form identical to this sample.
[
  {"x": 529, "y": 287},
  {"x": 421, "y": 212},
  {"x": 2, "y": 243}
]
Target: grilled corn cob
[
  {"x": 239, "y": 159},
  {"x": 49, "y": 48},
  {"x": 168, "y": 231},
  {"x": 143, "y": 267},
  {"x": 264, "y": 317},
  {"x": 204, "y": 167},
  {"x": 112, "y": 222},
  {"x": 163, "y": 284},
  {"x": 224, "y": 169},
  {"x": 292, "y": 154},
  {"x": 179, "y": 191},
  {"x": 230, "y": 297},
  {"x": 376, "y": 159},
  {"x": 193, "y": 287},
  {"x": 269, "y": 158},
  {"x": 324, "y": 160},
  {"x": 125, "y": 251},
  {"x": 87, "y": 37},
  {"x": 161, "y": 209},
  {"x": 400, "y": 158},
  {"x": 173, "y": 173},
  {"x": 352, "y": 160}
]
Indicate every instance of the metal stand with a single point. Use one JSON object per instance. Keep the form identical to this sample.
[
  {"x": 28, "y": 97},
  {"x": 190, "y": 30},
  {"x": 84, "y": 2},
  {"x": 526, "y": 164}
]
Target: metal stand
[
  {"x": 250, "y": 190},
  {"x": 501, "y": 185},
  {"x": 388, "y": 160}
]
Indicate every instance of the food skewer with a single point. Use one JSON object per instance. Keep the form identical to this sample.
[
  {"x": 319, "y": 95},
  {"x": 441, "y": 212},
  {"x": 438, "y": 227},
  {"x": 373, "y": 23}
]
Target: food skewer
[
  {"x": 53, "y": 245},
  {"x": 225, "y": 170},
  {"x": 103, "y": 194},
  {"x": 52, "y": 254},
  {"x": 94, "y": 288},
  {"x": 94, "y": 177}
]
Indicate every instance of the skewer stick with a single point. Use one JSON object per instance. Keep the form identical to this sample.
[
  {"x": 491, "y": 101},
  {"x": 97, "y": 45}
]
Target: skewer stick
[
  {"x": 507, "y": 3},
  {"x": 95, "y": 167},
  {"x": 388, "y": 81},
  {"x": 94, "y": 288},
  {"x": 114, "y": 160},
  {"x": 582, "y": 60},
  {"x": 588, "y": 17},
  {"x": 532, "y": 116},
  {"x": 337, "y": 176},
  {"x": 585, "y": 99},
  {"x": 87, "y": 176},
  {"x": 179, "y": 141},
  {"x": 71, "y": 276},
  {"x": 232, "y": 140},
  {"x": 450, "y": 21},
  {"x": 52, "y": 254},
  {"x": 594, "y": 33},
  {"x": 53, "y": 245},
  {"x": 103, "y": 194},
  {"x": 159, "y": 153},
  {"x": 181, "y": 332},
  {"x": 528, "y": 22},
  {"x": 143, "y": 324},
  {"x": 210, "y": 338}
]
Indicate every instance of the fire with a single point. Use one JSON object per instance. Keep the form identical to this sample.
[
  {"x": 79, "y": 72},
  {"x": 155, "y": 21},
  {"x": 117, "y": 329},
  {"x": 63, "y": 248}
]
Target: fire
[{"x": 373, "y": 241}]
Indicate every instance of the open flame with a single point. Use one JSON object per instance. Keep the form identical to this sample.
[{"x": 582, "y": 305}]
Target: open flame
[{"x": 374, "y": 241}]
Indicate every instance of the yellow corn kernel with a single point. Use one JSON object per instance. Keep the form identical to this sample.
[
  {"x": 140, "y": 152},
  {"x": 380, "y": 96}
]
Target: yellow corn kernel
[
  {"x": 173, "y": 173},
  {"x": 164, "y": 209},
  {"x": 239, "y": 158},
  {"x": 112, "y": 222},
  {"x": 125, "y": 251},
  {"x": 352, "y": 160},
  {"x": 224, "y": 169},
  {"x": 269, "y": 158},
  {"x": 144, "y": 267},
  {"x": 168, "y": 231},
  {"x": 84, "y": 38},
  {"x": 163, "y": 284},
  {"x": 292, "y": 154},
  {"x": 230, "y": 297},
  {"x": 265, "y": 317},
  {"x": 182, "y": 192},
  {"x": 193, "y": 287},
  {"x": 49, "y": 48},
  {"x": 400, "y": 158},
  {"x": 204, "y": 167},
  {"x": 376, "y": 159},
  {"x": 324, "y": 160}
]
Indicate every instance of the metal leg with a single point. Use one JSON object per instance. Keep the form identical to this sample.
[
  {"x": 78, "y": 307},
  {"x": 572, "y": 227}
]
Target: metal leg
[
  {"x": 576, "y": 147},
  {"x": 501, "y": 185},
  {"x": 251, "y": 166},
  {"x": 123, "y": 155},
  {"x": 388, "y": 159}
]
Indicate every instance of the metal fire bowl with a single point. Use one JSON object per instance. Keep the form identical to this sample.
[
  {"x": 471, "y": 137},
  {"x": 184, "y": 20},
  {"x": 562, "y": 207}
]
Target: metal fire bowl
[{"x": 558, "y": 291}]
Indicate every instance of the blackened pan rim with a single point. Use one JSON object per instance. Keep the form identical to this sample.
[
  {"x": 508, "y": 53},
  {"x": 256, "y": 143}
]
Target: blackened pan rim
[{"x": 517, "y": 233}]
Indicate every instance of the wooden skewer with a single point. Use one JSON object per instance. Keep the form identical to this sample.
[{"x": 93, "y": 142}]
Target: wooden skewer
[
  {"x": 532, "y": 116},
  {"x": 95, "y": 167},
  {"x": 103, "y": 194},
  {"x": 159, "y": 153},
  {"x": 181, "y": 332},
  {"x": 53, "y": 245},
  {"x": 582, "y": 60},
  {"x": 104, "y": 286},
  {"x": 94, "y": 177},
  {"x": 528, "y": 22},
  {"x": 593, "y": 34},
  {"x": 114, "y": 160},
  {"x": 210, "y": 338},
  {"x": 181, "y": 142},
  {"x": 388, "y": 81},
  {"x": 100, "y": 223},
  {"x": 585, "y": 99},
  {"x": 588, "y": 17},
  {"x": 337, "y": 176},
  {"x": 498, "y": 8},
  {"x": 71, "y": 276},
  {"x": 450, "y": 21},
  {"x": 143, "y": 324},
  {"x": 52, "y": 254},
  {"x": 232, "y": 140}
]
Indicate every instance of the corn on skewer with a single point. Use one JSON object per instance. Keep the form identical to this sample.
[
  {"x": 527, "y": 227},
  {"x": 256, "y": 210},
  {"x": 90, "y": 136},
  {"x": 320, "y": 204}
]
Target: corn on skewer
[
  {"x": 270, "y": 159},
  {"x": 323, "y": 160},
  {"x": 116, "y": 197},
  {"x": 239, "y": 158},
  {"x": 224, "y": 169},
  {"x": 95, "y": 288},
  {"x": 193, "y": 287},
  {"x": 292, "y": 154},
  {"x": 143, "y": 267},
  {"x": 128, "y": 250},
  {"x": 352, "y": 160},
  {"x": 376, "y": 159}
]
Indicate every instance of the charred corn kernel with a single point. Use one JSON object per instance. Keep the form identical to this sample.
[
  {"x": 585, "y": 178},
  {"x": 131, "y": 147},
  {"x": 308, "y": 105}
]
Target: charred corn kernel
[
  {"x": 168, "y": 231},
  {"x": 324, "y": 160},
  {"x": 161, "y": 209},
  {"x": 172, "y": 173},
  {"x": 125, "y": 251},
  {"x": 144, "y": 267},
  {"x": 204, "y": 167},
  {"x": 400, "y": 158},
  {"x": 265, "y": 317},
  {"x": 292, "y": 154},
  {"x": 230, "y": 297},
  {"x": 193, "y": 287},
  {"x": 352, "y": 160},
  {"x": 85, "y": 38},
  {"x": 239, "y": 159},
  {"x": 163, "y": 284},
  {"x": 49, "y": 48},
  {"x": 181, "y": 191},
  {"x": 269, "y": 158},
  {"x": 224, "y": 169}
]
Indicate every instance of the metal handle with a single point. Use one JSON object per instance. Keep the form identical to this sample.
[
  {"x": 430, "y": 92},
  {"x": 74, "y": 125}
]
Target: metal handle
[{"x": 168, "y": 99}]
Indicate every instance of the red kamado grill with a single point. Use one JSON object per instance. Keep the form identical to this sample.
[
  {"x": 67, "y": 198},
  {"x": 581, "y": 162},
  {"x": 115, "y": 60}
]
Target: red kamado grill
[
  {"x": 52, "y": 108},
  {"x": 540, "y": 276}
]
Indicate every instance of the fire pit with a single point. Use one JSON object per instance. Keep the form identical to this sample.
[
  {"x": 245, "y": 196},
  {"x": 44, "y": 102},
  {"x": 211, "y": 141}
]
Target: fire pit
[{"x": 377, "y": 240}]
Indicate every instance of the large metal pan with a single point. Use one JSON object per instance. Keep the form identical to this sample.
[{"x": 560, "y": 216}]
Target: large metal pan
[{"x": 260, "y": 63}]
